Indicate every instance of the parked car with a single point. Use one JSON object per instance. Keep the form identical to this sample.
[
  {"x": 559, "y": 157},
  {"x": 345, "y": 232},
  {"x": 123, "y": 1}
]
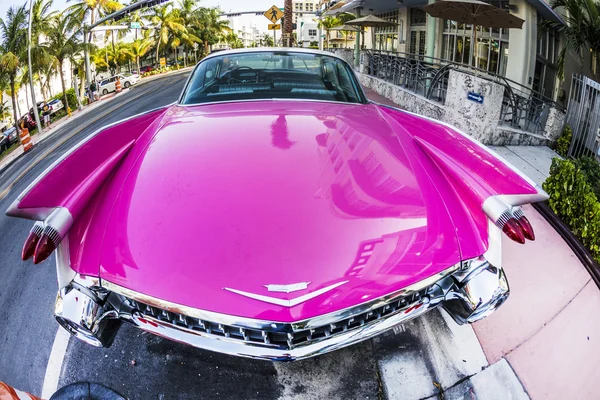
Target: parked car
[
  {"x": 28, "y": 121},
  {"x": 8, "y": 138},
  {"x": 108, "y": 85},
  {"x": 55, "y": 105},
  {"x": 145, "y": 69},
  {"x": 274, "y": 212}
]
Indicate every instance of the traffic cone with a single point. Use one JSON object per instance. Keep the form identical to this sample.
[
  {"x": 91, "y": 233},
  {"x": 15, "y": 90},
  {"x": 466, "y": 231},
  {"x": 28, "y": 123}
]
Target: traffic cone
[
  {"x": 118, "y": 86},
  {"x": 26, "y": 140},
  {"x": 10, "y": 393}
]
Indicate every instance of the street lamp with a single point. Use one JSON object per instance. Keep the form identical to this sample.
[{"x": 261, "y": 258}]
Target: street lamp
[{"x": 35, "y": 109}]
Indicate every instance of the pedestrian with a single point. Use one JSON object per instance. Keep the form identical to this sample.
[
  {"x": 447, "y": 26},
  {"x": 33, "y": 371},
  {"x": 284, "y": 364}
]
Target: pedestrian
[
  {"x": 46, "y": 114},
  {"x": 94, "y": 90}
]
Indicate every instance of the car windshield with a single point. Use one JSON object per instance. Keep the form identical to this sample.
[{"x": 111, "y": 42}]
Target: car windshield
[{"x": 272, "y": 75}]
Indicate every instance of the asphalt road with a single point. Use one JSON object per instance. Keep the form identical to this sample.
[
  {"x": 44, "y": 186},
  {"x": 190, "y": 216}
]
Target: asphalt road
[{"x": 138, "y": 365}]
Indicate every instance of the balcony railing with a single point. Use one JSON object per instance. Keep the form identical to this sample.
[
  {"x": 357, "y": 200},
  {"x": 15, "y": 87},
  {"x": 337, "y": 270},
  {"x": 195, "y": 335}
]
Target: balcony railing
[{"x": 522, "y": 108}]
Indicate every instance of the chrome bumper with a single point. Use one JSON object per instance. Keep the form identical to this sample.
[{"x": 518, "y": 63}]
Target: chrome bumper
[{"x": 469, "y": 291}]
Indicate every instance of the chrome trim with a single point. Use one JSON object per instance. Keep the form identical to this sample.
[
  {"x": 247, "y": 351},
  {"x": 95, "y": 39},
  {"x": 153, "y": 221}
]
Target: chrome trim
[
  {"x": 272, "y": 49},
  {"x": 283, "y": 302},
  {"x": 244, "y": 349},
  {"x": 295, "y": 100},
  {"x": 84, "y": 317},
  {"x": 479, "y": 292},
  {"x": 64, "y": 274},
  {"x": 258, "y": 324},
  {"x": 292, "y": 287},
  {"x": 41, "y": 213}
]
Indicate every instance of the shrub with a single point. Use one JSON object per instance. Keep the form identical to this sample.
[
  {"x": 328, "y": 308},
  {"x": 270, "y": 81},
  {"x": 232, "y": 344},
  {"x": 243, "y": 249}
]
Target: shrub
[
  {"x": 573, "y": 200},
  {"x": 71, "y": 98},
  {"x": 564, "y": 141},
  {"x": 591, "y": 169}
]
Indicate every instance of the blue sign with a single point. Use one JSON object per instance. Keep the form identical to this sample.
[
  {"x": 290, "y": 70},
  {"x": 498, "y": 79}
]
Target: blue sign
[{"x": 476, "y": 97}]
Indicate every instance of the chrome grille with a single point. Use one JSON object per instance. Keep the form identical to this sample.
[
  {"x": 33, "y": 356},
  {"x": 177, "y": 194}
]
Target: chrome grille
[{"x": 285, "y": 337}]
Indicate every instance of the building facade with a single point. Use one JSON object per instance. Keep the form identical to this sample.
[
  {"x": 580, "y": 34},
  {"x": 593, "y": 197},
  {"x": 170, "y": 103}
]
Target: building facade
[
  {"x": 526, "y": 56},
  {"x": 303, "y": 8}
]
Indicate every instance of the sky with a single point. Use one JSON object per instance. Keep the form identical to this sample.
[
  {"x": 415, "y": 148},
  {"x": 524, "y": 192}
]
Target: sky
[{"x": 225, "y": 5}]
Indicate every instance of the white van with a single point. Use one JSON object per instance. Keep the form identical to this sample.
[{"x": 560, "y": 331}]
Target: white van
[{"x": 108, "y": 85}]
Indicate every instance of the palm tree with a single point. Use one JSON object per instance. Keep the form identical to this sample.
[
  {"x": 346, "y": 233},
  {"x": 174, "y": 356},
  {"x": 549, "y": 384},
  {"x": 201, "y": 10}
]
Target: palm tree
[
  {"x": 267, "y": 41},
  {"x": 189, "y": 18},
  {"x": 327, "y": 23},
  {"x": 581, "y": 30},
  {"x": 85, "y": 11},
  {"x": 166, "y": 22},
  {"x": 14, "y": 41},
  {"x": 41, "y": 15},
  {"x": 138, "y": 49},
  {"x": 61, "y": 43},
  {"x": 212, "y": 27}
]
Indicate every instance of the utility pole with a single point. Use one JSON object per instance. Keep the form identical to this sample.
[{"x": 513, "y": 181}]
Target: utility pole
[{"x": 35, "y": 110}]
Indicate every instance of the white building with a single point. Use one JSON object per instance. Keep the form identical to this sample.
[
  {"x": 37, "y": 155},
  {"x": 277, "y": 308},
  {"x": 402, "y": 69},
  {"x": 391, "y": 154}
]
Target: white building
[
  {"x": 307, "y": 30},
  {"x": 304, "y": 8},
  {"x": 248, "y": 26}
]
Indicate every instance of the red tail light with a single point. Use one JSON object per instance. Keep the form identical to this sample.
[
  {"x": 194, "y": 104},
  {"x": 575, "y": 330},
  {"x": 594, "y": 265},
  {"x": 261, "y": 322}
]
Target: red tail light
[
  {"x": 513, "y": 230},
  {"x": 527, "y": 228},
  {"x": 44, "y": 248},
  {"x": 31, "y": 241}
]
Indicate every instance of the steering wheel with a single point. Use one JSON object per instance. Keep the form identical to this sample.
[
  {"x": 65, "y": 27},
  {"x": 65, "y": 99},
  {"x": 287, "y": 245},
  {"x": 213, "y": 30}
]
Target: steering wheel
[{"x": 236, "y": 69}]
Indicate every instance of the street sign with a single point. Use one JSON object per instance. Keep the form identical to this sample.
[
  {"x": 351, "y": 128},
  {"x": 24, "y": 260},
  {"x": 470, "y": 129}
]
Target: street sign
[
  {"x": 274, "y": 14},
  {"x": 136, "y": 25},
  {"x": 274, "y": 27},
  {"x": 476, "y": 97},
  {"x": 163, "y": 62}
]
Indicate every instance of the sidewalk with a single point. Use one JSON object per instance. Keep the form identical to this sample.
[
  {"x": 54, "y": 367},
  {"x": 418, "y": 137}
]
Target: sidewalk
[{"x": 548, "y": 331}]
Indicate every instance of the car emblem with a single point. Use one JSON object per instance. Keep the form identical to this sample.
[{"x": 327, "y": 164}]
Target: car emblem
[
  {"x": 283, "y": 302},
  {"x": 293, "y": 287}
]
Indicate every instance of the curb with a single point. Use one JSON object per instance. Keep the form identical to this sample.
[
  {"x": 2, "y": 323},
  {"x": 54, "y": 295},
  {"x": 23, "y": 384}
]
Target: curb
[{"x": 574, "y": 243}]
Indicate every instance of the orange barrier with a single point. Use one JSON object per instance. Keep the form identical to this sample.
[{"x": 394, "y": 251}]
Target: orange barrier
[
  {"x": 118, "y": 86},
  {"x": 26, "y": 141},
  {"x": 10, "y": 393}
]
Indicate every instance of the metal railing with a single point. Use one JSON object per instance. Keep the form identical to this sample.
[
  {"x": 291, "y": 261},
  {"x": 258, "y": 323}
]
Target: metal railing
[
  {"x": 583, "y": 116},
  {"x": 522, "y": 108}
]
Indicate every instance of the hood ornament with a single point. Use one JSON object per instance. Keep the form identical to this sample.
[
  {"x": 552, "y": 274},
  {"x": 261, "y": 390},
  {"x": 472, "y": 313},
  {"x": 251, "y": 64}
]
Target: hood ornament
[
  {"x": 291, "y": 302},
  {"x": 293, "y": 287}
]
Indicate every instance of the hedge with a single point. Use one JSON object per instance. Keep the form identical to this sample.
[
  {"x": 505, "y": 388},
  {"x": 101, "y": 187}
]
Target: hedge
[
  {"x": 71, "y": 98},
  {"x": 564, "y": 141},
  {"x": 572, "y": 198}
]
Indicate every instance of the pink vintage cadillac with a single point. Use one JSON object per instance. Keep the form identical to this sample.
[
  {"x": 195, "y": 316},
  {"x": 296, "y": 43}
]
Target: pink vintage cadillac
[{"x": 274, "y": 212}]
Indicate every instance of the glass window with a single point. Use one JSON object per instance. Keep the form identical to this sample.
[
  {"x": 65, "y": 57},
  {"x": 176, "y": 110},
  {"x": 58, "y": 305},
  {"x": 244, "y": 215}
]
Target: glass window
[
  {"x": 490, "y": 41},
  {"x": 312, "y": 32},
  {"x": 272, "y": 74},
  {"x": 417, "y": 17}
]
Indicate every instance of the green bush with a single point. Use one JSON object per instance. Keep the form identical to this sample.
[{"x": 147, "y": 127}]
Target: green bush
[
  {"x": 564, "y": 141},
  {"x": 591, "y": 169},
  {"x": 71, "y": 98},
  {"x": 573, "y": 200}
]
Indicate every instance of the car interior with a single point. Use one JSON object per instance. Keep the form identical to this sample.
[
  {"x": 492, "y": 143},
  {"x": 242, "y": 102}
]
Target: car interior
[{"x": 265, "y": 75}]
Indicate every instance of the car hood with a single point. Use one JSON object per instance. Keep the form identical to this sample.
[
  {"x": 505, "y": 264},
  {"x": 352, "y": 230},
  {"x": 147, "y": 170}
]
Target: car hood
[{"x": 233, "y": 198}]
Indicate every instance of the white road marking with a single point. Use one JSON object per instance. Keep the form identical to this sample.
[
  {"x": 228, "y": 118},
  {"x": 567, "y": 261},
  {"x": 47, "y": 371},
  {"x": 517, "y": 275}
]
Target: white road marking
[{"x": 55, "y": 362}]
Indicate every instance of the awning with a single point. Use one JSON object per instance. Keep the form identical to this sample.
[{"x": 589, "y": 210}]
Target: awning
[
  {"x": 379, "y": 6},
  {"x": 546, "y": 11}
]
